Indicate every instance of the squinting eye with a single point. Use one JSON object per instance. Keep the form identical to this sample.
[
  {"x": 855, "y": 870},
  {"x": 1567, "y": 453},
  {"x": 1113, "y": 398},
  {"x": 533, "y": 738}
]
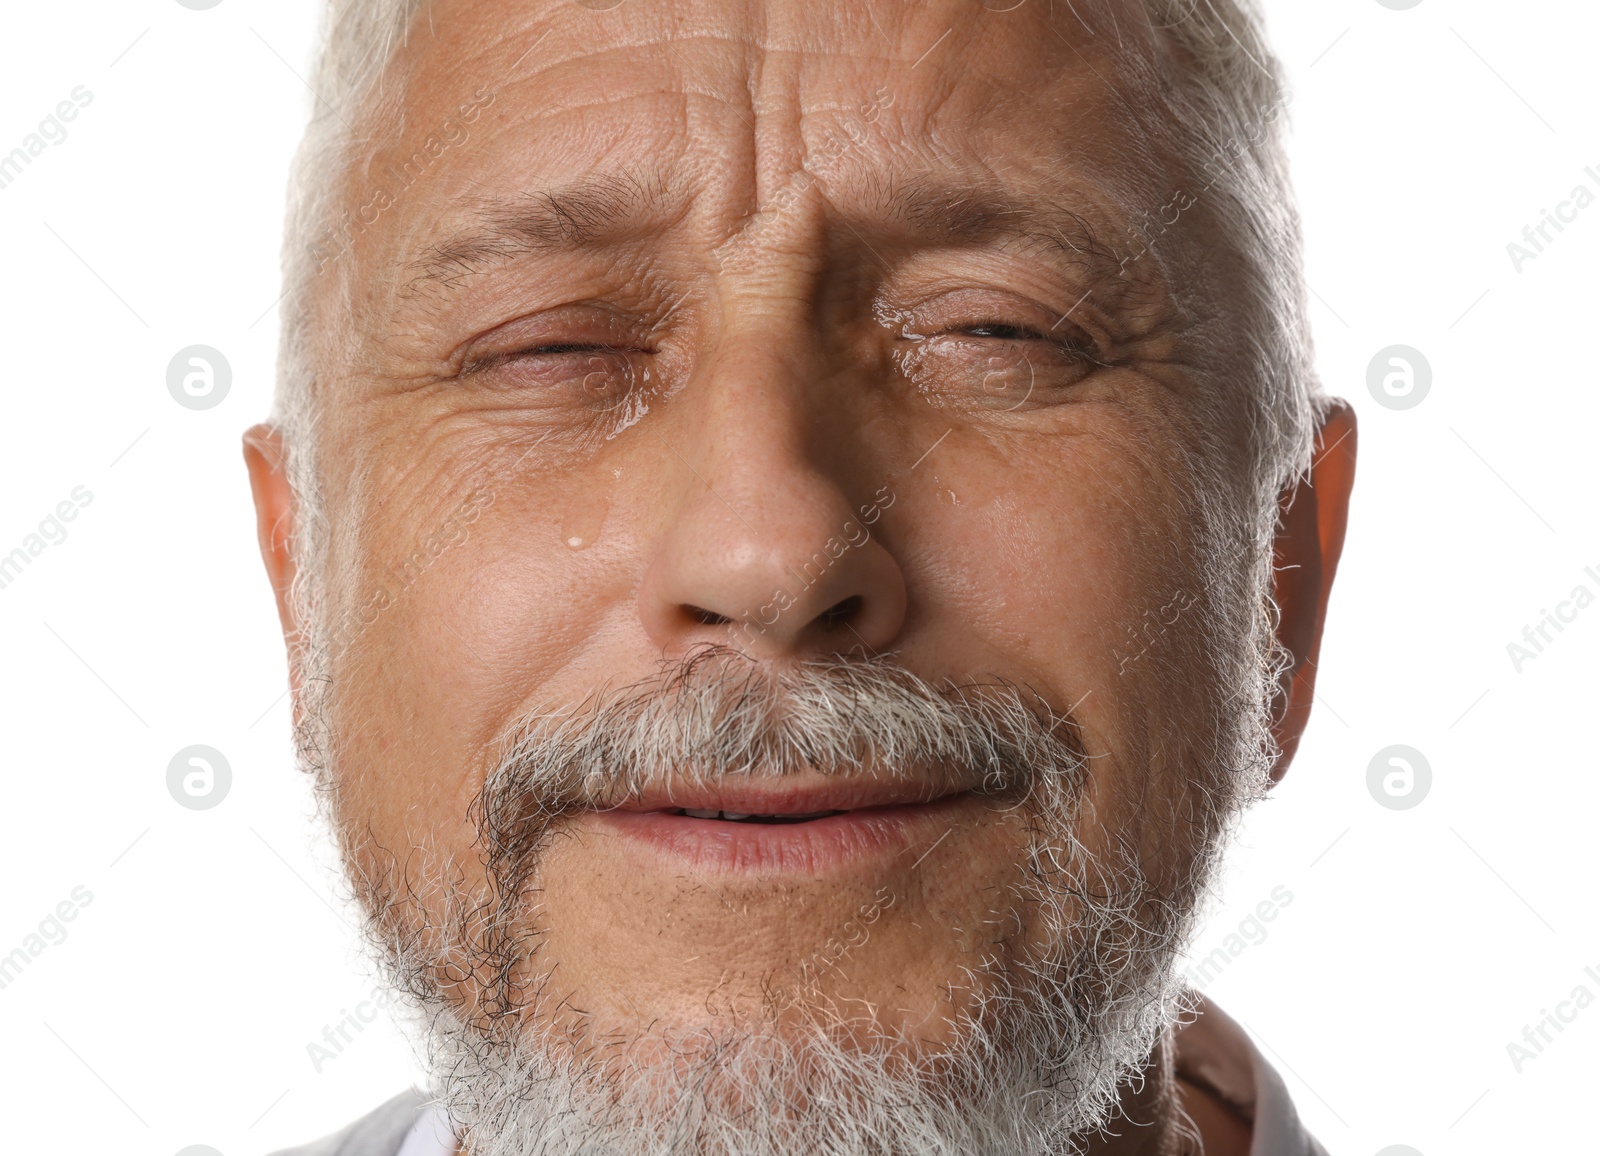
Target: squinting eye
[
  {"x": 996, "y": 365},
  {"x": 602, "y": 378},
  {"x": 607, "y": 380},
  {"x": 1003, "y": 332},
  {"x": 593, "y": 376},
  {"x": 572, "y": 347},
  {"x": 1006, "y": 381}
]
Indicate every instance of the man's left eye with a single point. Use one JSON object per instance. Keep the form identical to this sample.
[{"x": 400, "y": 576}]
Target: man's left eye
[
  {"x": 1003, "y": 331},
  {"x": 997, "y": 365},
  {"x": 565, "y": 347}
]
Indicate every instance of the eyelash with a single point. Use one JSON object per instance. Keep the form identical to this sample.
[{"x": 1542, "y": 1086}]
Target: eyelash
[
  {"x": 1010, "y": 331},
  {"x": 567, "y": 347},
  {"x": 1015, "y": 332},
  {"x": 1072, "y": 348},
  {"x": 555, "y": 349}
]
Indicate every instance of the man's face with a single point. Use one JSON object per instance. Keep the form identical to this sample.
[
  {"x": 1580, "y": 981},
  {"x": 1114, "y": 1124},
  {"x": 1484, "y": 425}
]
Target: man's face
[{"x": 822, "y": 333}]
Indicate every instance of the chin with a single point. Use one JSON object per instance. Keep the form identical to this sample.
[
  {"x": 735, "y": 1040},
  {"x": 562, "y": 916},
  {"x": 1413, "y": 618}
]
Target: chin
[{"x": 809, "y": 1081}]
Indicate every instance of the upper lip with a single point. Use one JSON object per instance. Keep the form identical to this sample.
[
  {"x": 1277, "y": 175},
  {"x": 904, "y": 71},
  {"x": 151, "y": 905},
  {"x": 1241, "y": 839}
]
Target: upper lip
[{"x": 788, "y": 796}]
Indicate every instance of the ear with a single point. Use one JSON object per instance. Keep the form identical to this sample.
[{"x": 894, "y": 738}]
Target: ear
[
  {"x": 264, "y": 457},
  {"x": 1305, "y": 555}
]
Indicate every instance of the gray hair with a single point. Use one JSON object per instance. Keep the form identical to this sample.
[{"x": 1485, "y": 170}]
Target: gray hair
[{"x": 1048, "y": 1036}]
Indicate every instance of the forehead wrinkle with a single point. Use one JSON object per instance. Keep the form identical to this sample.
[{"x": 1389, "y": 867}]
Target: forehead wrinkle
[{"x": 572, "y": 218}]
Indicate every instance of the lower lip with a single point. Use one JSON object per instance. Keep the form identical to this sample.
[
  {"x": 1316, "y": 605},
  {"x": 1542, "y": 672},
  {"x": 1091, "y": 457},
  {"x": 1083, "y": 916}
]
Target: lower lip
[{"x": 850, "y": 840}]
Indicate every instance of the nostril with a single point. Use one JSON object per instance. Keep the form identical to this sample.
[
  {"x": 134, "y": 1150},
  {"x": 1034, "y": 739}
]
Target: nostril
[
  {"x": 842, "y": 611},
  {"x": 708, "y": 617}
]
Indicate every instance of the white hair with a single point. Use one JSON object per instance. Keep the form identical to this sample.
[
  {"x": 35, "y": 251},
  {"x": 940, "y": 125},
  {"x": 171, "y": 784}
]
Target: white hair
[{"x": 1057, "y": 1019}]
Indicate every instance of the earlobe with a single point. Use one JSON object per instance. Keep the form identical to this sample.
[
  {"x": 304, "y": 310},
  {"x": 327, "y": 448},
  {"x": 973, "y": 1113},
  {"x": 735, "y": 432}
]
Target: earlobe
[
  {"x": 1306, "y": 552},
  {"x": 264, "y": 457}
]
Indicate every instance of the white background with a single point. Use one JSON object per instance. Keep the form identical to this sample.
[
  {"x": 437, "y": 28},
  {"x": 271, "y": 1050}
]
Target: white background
[{"x": 1418, "y": 943}]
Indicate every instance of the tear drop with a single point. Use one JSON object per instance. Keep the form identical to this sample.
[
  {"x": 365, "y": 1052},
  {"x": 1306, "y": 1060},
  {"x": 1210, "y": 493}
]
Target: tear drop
[{"x": 586, "y": 516}]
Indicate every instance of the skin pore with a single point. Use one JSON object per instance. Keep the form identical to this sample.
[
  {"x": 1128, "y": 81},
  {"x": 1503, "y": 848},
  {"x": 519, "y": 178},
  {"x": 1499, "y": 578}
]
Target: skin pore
[{"x": 698, "y": 286}]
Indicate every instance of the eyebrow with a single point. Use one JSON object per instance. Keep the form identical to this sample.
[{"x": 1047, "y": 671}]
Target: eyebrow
[
  {"x": 977, "y": 214},
  {"x": 613, "y": 207},
  {"x": 596, "y": 211}
]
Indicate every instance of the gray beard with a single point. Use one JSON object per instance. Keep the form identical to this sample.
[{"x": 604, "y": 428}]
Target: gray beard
[{"x": 1037, "y": 1061}]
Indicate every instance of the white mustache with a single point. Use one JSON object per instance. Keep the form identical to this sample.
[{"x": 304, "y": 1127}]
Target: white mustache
[{"x": 718, "y": 713}]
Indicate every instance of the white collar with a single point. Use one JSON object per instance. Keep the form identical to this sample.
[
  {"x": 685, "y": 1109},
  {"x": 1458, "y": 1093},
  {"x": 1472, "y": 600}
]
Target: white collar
[{"x": 430, "y": 1135}]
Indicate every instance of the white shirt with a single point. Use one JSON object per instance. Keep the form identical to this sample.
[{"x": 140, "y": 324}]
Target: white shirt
[{"x": 431, "y": 1135}]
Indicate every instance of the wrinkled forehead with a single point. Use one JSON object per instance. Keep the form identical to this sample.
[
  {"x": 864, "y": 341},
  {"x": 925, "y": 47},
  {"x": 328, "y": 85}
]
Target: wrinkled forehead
[
  {"x": 708, "y": 89},
  {"x": 743, "y": 50}
]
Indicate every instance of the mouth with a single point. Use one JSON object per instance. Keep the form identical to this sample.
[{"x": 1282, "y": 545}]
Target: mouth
[
  {"x": 799, "y": 798},
  {"x": 736, "y": 817},
  {"x": 804, "y": 832}
]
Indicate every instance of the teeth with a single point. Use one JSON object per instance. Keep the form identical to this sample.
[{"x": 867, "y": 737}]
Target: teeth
[
  {"x": 696, "y": 813},
  {"x": 734, "y": 816}
]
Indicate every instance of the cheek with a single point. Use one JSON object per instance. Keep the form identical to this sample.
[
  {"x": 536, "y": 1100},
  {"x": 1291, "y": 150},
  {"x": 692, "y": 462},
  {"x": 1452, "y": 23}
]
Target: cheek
[
  {"x": 444, "y": 628},
  {"x": 1049, "y": 550},
  {"x": 1039, "y": 577},
  {"x": 1055, "y": 563}
]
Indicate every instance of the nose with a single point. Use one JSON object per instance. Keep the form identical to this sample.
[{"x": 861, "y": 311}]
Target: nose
[
  {"x": 773, "y": 548},
  {"x": 790, "y": 578}
]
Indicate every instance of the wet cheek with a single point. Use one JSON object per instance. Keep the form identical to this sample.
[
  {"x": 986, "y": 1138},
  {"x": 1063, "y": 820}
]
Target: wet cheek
[{"x": 461, "y": 634}]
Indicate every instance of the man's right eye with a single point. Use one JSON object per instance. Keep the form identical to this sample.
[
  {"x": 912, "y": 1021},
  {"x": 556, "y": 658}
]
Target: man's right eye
[
  {"x": 1002, "y": 331},
  {"x": 562, "y": 347},
  {"x": 590, "y": 375},
  {"x": 549, "y": 349}
]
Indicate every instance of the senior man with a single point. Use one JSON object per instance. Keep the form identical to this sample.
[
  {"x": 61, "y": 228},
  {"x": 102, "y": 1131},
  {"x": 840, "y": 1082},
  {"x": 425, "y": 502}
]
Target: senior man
[{"x": 799, "y": 529}]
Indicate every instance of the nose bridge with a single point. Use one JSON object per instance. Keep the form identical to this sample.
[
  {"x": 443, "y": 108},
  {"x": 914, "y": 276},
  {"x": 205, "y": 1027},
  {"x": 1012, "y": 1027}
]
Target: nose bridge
[
  {"x": 755, "y": 411},
  {"x": 768, "y": 551}
]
